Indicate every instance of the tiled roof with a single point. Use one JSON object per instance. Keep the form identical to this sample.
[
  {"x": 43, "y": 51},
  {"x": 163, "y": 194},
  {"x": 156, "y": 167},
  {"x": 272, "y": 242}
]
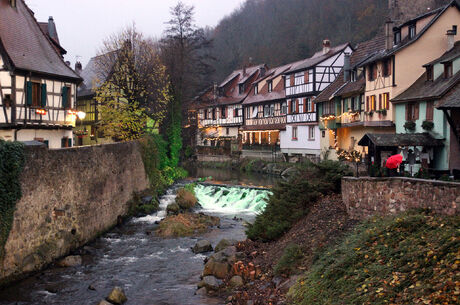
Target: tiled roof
[
  {"x": 237, "y": 73},
  {"x": 401, "y": 139},
  {"x": 26, "y": 46},
  {"x": 362, "y": 51},
  {"x": 316, "y": 59},
  {"x": 451, "y": 99},
  {"x": 90, "y": 79},
  {"x": 406, "y": 42}
]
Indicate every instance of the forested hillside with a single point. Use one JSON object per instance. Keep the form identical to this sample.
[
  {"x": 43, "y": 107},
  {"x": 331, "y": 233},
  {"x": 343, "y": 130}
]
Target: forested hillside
[{"x": 281, "y": 31}]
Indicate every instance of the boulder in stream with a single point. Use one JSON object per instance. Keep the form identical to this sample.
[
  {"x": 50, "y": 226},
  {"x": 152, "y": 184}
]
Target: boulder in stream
[
  {"x": 201, "y": 291},
  {"x": 70, "y": 261},
  {"x": 117, "y": 296},
  {"x": 104, "y": 302},
  {"x": 202, "y": 246},
  {"x": 220, "y": 263},
  {"x": 210, "y": 283},
  {"x": 173, "y": 209},
  {"x": 224, "y": 243}
]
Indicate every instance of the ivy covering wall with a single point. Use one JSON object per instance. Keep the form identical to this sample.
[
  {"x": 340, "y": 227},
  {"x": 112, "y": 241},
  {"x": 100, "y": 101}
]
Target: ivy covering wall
[{"x": 12, "y": 159}]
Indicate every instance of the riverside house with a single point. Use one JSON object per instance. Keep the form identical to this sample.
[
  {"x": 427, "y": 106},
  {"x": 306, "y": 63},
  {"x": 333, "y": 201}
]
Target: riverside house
[
  {"x": 37, "y": 88},
  {"x": 220, "y": 110},
  {"x": 395, "y": 68},
  {"x": 417, "y": 114},
  {"x": 265, "y": 111},
  {"x": 303, "y": 82},
  {"x": 341, "y": 105}
]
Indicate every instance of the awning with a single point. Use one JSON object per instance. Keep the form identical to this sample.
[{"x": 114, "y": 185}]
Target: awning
[{"x": 403, "y": 139}]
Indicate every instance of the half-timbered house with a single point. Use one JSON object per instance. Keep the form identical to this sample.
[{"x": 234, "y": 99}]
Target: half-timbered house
[
  {"x": 37, "y": 88},
  {"x": 341, "y": 105},
  {"x": 265, "y": 111},
  {"x": 395, "y": 68},
  {"x": 303, "y": 82},
  {"x": 220, "y": 110}
]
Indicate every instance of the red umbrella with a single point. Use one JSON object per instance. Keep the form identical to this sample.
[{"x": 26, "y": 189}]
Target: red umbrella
[{"x": 394, "y": 161}]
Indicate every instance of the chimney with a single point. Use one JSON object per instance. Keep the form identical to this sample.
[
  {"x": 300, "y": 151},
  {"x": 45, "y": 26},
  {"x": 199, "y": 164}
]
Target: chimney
[
  {"x": 451, "y": 37},
  {"x": 326, "y": 46},
  {"x": 389, "y": 38},
  {"x": 68, "y": 63},
  {"x": 346, "y": 67},
  {"x": 52, "y": 28},
  {"x": 78, "y": 67}
]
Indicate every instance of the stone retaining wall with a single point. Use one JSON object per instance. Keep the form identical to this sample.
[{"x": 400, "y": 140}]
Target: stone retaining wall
[
  {"x": 69, "y": 196},
  {"x": 365, "y": 197}
]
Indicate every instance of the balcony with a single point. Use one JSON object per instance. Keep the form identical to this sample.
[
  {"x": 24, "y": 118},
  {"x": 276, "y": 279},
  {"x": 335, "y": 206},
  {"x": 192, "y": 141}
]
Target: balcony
[
  {"x": 221, "y": 122},
  {"x": 349, "y": 119},
  {"x": 309, "y": 117},
  {"x": 266, "y": 121}
]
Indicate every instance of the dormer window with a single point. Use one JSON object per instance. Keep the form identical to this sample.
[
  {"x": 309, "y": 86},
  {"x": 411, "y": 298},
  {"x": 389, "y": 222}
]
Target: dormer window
[
  {"x": 270, "y": 86},
  {"x": 353, "y": 76},
  {"x": 397, "y": 37},
  {"x": 220, "y": 91},
  {"x": 448, "y": 69},
  {"x": 241, "y": 88},
  {"x": 429, "y": 73},
  {"x": 412, "y": 31},
  {"x": 13, "y": 3},
  {"x": 256, "y": 90}
]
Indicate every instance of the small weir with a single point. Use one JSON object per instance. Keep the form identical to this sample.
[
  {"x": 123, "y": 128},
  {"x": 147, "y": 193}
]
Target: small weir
[{"x": 150, "y": 269}]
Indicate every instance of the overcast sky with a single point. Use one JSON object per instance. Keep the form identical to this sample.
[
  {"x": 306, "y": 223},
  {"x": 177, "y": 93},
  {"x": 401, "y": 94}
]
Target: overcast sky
[{"x": 83, "y": 24}]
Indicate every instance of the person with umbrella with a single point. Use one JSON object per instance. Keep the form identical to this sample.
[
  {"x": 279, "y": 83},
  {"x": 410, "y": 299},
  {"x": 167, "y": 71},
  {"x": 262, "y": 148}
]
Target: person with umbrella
[{"x": 393, "y": 163}]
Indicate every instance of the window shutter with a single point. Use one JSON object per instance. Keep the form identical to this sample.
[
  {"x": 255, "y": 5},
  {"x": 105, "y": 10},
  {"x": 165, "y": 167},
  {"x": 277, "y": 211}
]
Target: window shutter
[
  {"x": 69, "y": 142},
  {"x": 289, "y": 107},
  {"x": 65, "y": 94},
  {"x": 380, "y": 101},
  {"x": 297, "y": 106},
  {"x": 374, "y": 72},
  {"x": 29, "y": 93},
  {"x": 429, "y": 111},
  {"x": 306, "y": 77},
  {"x": 292, "y": 79},
  {"x": 367, "y": 103},
  {"x": 44, "y": 95},
  {"x": 389, "y": 66},
  {"x": 416, "y": 111}
]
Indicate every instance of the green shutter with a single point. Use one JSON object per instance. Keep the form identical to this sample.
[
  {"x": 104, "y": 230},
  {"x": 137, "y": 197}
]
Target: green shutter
[
  {"x": 64, "y": 96},
  {"x": 44, "y": 95},
  {"x": 69, "y": 143},
  {"x": 29, "y": 93}
]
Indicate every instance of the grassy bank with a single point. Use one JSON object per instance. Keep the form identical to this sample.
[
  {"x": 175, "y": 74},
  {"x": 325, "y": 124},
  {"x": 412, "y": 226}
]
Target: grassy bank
[{"x": 407, "y": 259}]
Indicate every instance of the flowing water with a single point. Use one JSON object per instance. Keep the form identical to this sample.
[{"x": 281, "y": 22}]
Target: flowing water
[{"x": 151, "y": 270}]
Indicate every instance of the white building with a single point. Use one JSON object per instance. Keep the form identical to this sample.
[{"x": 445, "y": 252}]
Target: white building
[
  {"x": 303, "y": 82},
  {"x": 37, "y": 88}
]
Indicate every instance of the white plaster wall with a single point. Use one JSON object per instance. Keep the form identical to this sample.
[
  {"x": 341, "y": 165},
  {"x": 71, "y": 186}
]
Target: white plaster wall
[
  {"x": 302, "y": 145},
  {"x": 54, "y": 137}
]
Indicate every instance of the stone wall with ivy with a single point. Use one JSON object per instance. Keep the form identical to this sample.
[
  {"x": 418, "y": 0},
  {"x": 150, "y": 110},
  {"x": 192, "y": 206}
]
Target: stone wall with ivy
[{"x": 69, "y": 196}]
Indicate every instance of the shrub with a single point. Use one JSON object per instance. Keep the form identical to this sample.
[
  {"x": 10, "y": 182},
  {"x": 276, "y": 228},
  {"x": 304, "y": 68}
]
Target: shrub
[
  {"x": 292, "y": 199},
  {"x": 291, "y": 259},
  {"x": 406, "y": 259},
  {"x": 409, "y": 125},
  {"x": 186, "y": 199},
  {"x": 428, "y": 125}
]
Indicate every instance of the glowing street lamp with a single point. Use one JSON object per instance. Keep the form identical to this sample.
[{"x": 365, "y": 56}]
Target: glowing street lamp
[{"x": 81, "y": 115}]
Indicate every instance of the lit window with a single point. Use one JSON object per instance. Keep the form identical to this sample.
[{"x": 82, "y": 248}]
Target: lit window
[{"x": 386, "y": 101}]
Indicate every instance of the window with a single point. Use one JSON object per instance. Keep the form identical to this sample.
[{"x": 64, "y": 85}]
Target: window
[
  {"x": 429, "y": 111},
  {"x": 294, "y": 133},
  {"x": 266, "y": 110},
  {"x": 272, "y": 109},
  {"x": 429, "y": 73},
  {"x": 248, "y": 113},
  {"x": 256, "y": 90},
  {"x": 301, "y": 105},
  {"x": 412, "y": 31},
  {"x": 372, "y": 74},
  {"x": 323, "y": 133},
  {"x": 66, "y": 97},
  {"x": 284, "y": 108},
  {"x": 223, "y": 112},
  {"x": 241, "y": 88},
  {"x": 448, "y": 69},
  {"x": 353, "y": 106},
  {"x": 397, "y": 37},
  {"x": 213, "y": 113},
  {"x": 292, "y": 106},
  {"x": 371, "y": 103},
  {"x": 386, "y": 101},
  {"x": 412, "y": 111},
  {"x": 227, "y": 131},
  {"x": 287, "y": 81},
  {"x": 13, "y": 3},
  {"x": 310, "y": 105},
  {"x": 311, "y": 133},
  {"x": 387, "y": 67},
  {"x": 66, "y": 142},
  {"x": 35, "y": 94},
  {"x": 270, "y": 86},
  {"x": 353, "y": 75},
  {"x": 299, "y": 78}
]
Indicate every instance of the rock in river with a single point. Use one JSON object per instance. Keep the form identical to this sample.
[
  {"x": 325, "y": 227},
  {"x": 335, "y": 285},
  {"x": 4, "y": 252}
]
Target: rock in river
[
  {"x": 104, "y": 302},
  {"x": 224, "y": 243},
  {"x": 117, "y": 296},
  {"x": 70, "y": 261},
  {"x": 210, "y": 283},
  {"x": 202, "y": 246}
]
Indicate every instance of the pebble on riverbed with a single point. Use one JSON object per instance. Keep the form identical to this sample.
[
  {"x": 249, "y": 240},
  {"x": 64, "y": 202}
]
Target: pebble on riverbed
[{"x": 117, "y": 296}]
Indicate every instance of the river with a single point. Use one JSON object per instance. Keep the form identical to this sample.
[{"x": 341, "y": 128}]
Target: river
[{"x": 151, "y": 270}]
